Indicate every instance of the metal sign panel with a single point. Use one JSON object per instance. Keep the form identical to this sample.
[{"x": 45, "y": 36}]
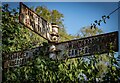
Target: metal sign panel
[
  {"x": 34, "y": 22},
  {"x": 89, "y": 46},
  {"x": 20, "y": 58}
]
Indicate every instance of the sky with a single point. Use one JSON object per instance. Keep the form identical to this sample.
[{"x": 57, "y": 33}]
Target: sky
[{"x": 80, "y": 14}]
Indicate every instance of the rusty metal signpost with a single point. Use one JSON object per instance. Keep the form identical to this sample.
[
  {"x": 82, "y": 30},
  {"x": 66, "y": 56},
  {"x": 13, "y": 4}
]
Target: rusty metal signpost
[
  {"x": 34, "y": 22},
  {"x": 40, "y": 26},
  {"x": 89, "y": 46},
  {"x": 75, "y": 48}
]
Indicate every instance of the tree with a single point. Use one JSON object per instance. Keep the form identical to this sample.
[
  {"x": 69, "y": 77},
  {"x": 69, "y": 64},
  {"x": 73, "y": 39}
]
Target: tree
[
  {"x": 88, "y": 31},
  {"x": 54, "y": 16}
]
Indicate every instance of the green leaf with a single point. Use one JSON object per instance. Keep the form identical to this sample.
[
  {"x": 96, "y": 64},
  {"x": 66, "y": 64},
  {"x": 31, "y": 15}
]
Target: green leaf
[
  {"x": 113, "y": 68},
  {"x": 70, "y": 75},
  {"x": 89, "y": 71}
]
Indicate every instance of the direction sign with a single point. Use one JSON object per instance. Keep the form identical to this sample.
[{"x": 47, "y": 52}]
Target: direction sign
[
  {"x": 34, "y": 22},
  {"x": 75, "y": 48},
  {"x": 89, "y": 46},
  {"x": 20, "y": 58}
]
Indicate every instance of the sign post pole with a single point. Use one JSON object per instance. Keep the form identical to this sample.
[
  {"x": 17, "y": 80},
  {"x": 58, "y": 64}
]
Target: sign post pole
[{"x": 54, "y": 39}]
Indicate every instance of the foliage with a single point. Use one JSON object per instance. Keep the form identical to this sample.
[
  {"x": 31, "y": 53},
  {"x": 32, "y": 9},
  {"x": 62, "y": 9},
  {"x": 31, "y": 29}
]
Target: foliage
[
  {"x": 15, "y": 36},
  {"x": 88, "y": 31},
  {"x": 54, "y": 16},
  {"x": 104, "y": 60},
  {"x": 42, "y": 69}
]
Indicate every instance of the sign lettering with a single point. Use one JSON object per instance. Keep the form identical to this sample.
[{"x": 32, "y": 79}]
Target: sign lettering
[
  {"x": 89, "y": 46},
  {"x": 20, "y": 58},
  {"x": 34, "y": 22}
]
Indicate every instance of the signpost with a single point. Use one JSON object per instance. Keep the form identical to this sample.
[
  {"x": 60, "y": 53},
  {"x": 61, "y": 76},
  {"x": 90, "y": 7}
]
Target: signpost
[
  {"x": 40, "y": 26},
  {"x": 34, "y": 22},
  {"x": 75, "y": 48},
  {"x": 89, "y": 46}
]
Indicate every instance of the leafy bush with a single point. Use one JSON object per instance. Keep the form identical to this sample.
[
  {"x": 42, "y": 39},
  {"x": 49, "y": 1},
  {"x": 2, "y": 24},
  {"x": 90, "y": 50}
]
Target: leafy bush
[{"x": 41, "y": 69}]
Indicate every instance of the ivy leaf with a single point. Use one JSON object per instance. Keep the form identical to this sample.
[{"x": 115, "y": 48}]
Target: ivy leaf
[
  {"x": 11, "y": 38},
  {"x": 70, "y": 75},
  {"x": 69, "y": 67},
  {"x": 113, "y": 68}
]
